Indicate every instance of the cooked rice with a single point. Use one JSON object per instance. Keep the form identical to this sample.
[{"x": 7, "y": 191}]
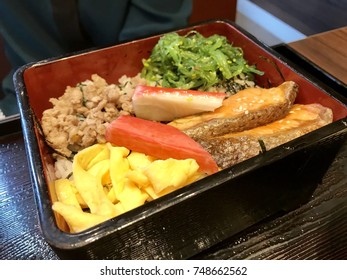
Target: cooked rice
[{"x": 80, "y": 116}]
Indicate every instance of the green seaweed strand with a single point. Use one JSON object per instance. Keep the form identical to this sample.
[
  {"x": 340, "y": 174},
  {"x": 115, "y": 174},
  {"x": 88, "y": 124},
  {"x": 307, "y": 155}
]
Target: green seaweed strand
[{"x": 194, "y": 61}]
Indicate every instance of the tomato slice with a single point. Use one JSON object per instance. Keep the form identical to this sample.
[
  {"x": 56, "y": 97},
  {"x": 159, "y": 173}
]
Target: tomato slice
[{"x": 159, "y": 140}]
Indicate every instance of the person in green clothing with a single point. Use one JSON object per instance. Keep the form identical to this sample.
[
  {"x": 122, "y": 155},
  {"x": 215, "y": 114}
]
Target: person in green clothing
[{"x": 33, "y": 30}]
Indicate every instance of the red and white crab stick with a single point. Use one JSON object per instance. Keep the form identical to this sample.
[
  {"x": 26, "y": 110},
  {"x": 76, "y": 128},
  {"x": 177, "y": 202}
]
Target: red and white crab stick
[
  {"x": 158, "y": 140},
  {"x": 167, "y": 104}
]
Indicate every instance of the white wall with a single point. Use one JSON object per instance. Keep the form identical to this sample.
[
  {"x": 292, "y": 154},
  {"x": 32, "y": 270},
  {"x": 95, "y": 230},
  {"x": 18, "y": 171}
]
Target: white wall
[{"x": 264, "y": 25}]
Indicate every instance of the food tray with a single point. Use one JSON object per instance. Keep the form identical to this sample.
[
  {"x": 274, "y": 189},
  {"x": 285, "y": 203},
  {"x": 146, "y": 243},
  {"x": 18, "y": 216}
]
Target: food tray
[{"x": 192, "y": 219}]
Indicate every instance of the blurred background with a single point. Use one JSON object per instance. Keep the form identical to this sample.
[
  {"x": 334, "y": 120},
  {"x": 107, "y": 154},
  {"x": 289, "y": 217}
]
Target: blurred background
[
  {"x": 271, "y": 21},
  {"x": 284, "y": 21}
]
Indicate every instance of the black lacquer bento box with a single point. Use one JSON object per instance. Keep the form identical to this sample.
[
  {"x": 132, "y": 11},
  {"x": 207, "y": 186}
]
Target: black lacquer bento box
[{"x": 196, "y": 217}]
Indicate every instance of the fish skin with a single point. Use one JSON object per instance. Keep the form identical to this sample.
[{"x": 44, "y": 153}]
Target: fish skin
[
  {"x": 232, "y": 148},
  {"x": 246, "y": 109}
]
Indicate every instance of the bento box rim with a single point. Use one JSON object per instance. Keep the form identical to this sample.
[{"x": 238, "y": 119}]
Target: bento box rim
[{"x": 63, "y": 240}]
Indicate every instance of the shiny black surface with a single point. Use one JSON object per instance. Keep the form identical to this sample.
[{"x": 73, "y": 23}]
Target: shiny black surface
[
  {"x": 315, "y": 230},
  {"x": 20, "y": 233}
]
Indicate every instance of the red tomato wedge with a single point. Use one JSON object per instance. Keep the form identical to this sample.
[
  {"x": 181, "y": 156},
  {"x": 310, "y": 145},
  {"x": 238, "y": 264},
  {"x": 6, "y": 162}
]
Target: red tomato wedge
[
  {"x": 167, "y": 104},
  {"x": 159, "y": 140}
]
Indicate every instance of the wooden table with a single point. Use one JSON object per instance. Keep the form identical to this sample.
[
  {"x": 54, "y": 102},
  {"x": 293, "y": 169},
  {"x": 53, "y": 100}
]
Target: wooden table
[
  {"x": 327, "y": 50},
  {"x": 316, "y": 230}
]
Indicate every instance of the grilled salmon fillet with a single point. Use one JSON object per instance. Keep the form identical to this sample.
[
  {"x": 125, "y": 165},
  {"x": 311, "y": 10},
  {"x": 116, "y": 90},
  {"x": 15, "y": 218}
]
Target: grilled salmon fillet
[
  {"x": 233, "y": 148},
  {"x": 246, "y": 109}
]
